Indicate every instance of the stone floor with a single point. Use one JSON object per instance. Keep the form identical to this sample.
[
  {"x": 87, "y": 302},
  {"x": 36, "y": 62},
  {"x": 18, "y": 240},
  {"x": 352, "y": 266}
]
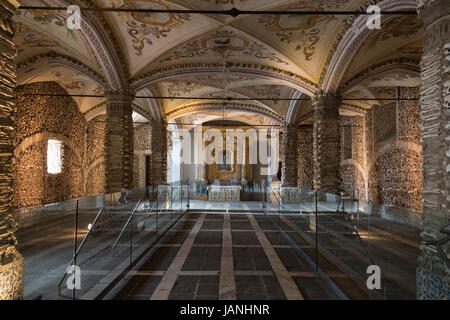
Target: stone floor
[
  {"x": 236, "y": 256},
  {"x": 217, "y": 256}
]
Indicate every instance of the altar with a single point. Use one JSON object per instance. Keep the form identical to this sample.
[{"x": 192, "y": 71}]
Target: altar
[{"x": 224, "y": 191}]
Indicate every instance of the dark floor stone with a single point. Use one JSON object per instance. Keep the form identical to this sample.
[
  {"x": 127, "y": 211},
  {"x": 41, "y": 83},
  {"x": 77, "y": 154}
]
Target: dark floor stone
[
  {"x": 208, "y": 290},
  {"x": 160, "y": 259},
  {"x": 206, "y": 237},
  {"x": 212, "y": 225},
  {"x": 240, "y": 225},
  {"x": 273, "y": 288},
  {"x": 203, "y": 259},
  {"x": 206, "y": 297},
  {"x": 291, "y": 260},
  {"x": 244, "y": 238},
  {"x": 277, "y": 238}
]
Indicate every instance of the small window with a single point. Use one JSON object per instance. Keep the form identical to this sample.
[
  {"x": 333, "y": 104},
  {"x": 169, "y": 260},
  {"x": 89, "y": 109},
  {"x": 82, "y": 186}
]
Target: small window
[{"x": 54, "y": 156}]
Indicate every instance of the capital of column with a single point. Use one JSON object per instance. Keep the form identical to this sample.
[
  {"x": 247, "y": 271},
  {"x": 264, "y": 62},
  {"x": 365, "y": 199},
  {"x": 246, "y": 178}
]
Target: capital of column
[
  {"x": 435, "y": 16},
  {"x": 119, "y": 97},
  {"x": 326, "y": 100}
]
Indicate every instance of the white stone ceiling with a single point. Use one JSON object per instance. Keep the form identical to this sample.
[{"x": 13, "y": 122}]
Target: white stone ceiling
[{"x": 139, "y": 44}]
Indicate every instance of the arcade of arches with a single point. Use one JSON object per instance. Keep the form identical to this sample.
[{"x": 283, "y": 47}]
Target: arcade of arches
[{"x": 373, "y": 122}]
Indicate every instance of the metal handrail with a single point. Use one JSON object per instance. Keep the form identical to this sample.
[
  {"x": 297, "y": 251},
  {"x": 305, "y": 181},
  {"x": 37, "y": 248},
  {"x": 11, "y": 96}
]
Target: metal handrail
[
  {"x": 151, "y": 209},
  {"x": 165, "y": 203},
  {"x": 160, "y": 211},
  {"x": 126, "y": 224},
  {"x": 353, "y": 227},
  {"x": 77, "y": 251}
]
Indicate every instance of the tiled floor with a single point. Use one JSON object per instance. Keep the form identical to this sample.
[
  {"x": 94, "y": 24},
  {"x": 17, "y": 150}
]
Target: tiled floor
[
  {"x": 236, "y": 256},
  {"x": 251, "y": 274}
]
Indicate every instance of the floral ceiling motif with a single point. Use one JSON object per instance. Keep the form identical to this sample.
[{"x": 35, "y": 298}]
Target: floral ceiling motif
[
  {"x": 225, "y": 1},
  {"x": 398, "y": 37},
  {"x": 39, "y": 32},
  {"x": 223, "y": 81},
  {"x": 224, "y": 43},
  {"x": 252, "y": 119},
  {"x": 401, "y": 27},
  {"x": 304, "y": 31},
  {"x": 294, "y": 46},
  {"x": 179, "y": 88},
  {"x": 144, "y": 28},
  {"x": 27, "y": 38}
]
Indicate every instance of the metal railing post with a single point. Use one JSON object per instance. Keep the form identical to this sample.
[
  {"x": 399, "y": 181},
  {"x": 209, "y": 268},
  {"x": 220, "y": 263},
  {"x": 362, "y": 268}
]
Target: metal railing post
[
  {"x": 317, "y": 232},
  {"x": 75, "y": 244},
  {"x": 131, "y": 242}
]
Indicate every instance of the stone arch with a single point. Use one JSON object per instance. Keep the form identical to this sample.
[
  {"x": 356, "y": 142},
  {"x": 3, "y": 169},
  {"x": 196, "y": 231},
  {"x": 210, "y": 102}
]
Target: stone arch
[
  {"x": 351, "y": 41},
  {"x": 294, "y": 107},
  {"x": 281, "y": 76},
  {"x": 102, "y": 48},
  {"x": 212, "y": 107},
  {"x": 45, "y": 62}
]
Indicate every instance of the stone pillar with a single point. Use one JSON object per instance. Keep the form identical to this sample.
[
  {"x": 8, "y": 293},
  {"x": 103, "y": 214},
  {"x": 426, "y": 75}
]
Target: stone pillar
[
  {"x": 11, "y": 262},
  {"x": 433, "y": 277},
  {"x": 289, "y": 156},
  {"x": 305, "y": 157},
  {"x": 170, "y": 156},
  {"x": 119, "y": 141},
  {"x": 327, "y": 143},
  {"x": 202, "y": 174},
  {"x": 158, "y": 168}
]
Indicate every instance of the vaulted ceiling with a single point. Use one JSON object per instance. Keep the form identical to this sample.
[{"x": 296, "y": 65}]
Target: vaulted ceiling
[{"x": 263, "y": 59}]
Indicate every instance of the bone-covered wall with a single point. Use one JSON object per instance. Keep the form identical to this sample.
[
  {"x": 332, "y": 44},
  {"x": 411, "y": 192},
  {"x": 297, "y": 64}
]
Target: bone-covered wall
[
  {"x": 305, "y": 157},
  {"x": 353, "y": 163},
  {"x": 142, "y": 148},
  {"x": 95, "y": 156},
  {"x": 381, "y": 153},
  {"x": 38, "y": 119}
]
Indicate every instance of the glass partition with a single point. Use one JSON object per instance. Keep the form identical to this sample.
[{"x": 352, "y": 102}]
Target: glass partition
[
  {"x": 77, "y": 249},
  {"x": 340, "y": 238},
  {"x": 99, "y": 239}
]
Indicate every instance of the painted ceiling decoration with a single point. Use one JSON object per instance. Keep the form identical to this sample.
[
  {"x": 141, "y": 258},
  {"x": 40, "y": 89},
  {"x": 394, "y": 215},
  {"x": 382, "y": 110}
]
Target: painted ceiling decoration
[
  {"x": 224, "y": 44},
  {"x": 351, "y": 38},
  {"x": 145, "y": 28},
  {"x": 266, "y": 57},
  {"x": 303, "y": 31}
]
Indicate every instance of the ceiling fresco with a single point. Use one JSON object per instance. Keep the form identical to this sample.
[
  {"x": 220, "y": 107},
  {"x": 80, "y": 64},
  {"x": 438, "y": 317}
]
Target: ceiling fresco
[
  {"x": 41, "y": 31},
  {"x": 187, "y": 121},
  {"x": 259, "y": 94},
  {"x": 144, "y": 37},
  {"x": 291, "y": 50},
  {"x": 400, "y": 37}
]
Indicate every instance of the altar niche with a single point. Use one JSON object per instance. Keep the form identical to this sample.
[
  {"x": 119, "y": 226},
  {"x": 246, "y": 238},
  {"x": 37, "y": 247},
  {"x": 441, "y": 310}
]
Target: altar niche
[
  {"x": 227, "y": 171},
  {"x": 222, "y": 190}
]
